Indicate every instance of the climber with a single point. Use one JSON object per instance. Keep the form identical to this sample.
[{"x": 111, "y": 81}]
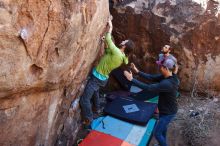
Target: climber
[
  {"x": 166, "y": 85},
  {"x": 114, "y": 57},
  {"x": 166, "y": 54}
]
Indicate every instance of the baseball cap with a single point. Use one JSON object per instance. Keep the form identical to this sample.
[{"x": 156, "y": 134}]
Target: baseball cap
[{"x": 168, "y": 63}]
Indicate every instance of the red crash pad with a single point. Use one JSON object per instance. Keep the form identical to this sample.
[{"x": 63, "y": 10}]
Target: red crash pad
[{"x": 96, "y": 138}]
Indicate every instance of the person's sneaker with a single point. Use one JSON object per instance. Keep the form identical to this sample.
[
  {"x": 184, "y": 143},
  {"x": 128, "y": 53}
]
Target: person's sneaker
[
  {"x": 98, "y": 114},
  {"x": 99, "y": 111}
]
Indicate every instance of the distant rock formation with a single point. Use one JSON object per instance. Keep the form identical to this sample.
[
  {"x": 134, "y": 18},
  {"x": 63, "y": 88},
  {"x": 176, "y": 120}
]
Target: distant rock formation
[{"x": 191, "y": 27}]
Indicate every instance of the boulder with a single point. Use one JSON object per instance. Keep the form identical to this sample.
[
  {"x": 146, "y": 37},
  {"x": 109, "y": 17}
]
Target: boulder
[
  {"x": 47, "y": 49},
  {"x": 191, "y": 27}
]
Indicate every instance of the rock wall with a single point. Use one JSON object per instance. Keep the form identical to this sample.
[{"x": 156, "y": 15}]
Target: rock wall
[
  {"x": 191, "y": 27},
  {"x": 46, "y": 51}
]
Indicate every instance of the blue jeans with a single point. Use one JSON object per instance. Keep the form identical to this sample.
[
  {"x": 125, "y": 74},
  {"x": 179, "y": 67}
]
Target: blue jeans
[
  {"x": 161, "y": 128},
  {"x": 92, "y": 88}
]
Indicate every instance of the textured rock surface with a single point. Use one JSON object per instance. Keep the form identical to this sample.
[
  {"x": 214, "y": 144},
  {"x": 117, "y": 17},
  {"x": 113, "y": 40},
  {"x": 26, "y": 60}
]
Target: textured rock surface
[
  {"x": 191, "y": 27},
  {"x": 46, "y": 51}
]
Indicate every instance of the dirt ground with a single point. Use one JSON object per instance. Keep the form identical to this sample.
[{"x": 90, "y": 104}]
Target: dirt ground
[{"x": 197, "y": 123}]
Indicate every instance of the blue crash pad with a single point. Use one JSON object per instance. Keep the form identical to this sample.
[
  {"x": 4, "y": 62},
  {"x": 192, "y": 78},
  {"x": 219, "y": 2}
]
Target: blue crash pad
[
  {"x": 131, "y": 133},
  {"x": 130, "y": 110}
]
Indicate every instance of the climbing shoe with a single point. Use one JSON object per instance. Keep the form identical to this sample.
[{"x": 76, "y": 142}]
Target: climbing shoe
[{"x": 87, "y": 124}]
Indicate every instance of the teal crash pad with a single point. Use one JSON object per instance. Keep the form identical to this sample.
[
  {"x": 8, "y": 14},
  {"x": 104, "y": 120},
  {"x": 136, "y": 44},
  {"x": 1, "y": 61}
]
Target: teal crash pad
[{"x": 131, "y": 133}]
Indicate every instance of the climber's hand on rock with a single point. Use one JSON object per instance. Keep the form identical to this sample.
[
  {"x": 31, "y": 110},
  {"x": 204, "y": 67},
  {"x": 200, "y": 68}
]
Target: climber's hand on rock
[
  {"x": 110, "y": 22},
  {"x": 111, "y": 17},
  {"x": 110, "y": 26}
]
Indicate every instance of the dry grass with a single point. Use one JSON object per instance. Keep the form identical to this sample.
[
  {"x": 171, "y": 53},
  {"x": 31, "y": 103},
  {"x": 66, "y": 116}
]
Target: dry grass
[
  {"x": 198, "y": 115},
  {"x": 198, "y": 129}
]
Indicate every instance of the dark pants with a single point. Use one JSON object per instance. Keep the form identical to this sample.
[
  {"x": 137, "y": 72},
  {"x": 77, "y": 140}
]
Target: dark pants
[
  {"x": 92, "y": 88},
  {"x": 161, "y": 128},
  {"x": 118, "y": 74}
]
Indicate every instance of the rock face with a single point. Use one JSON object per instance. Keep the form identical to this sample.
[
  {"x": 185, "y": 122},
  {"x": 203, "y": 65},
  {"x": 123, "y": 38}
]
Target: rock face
[
  {"x": 46, "y": 51},
  {"x": 191, "y": 27}
]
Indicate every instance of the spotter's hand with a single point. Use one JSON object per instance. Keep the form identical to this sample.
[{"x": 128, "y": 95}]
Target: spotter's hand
[
  {"x": 134, "y": 68},
  {"x": 128, "y": 75}
]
